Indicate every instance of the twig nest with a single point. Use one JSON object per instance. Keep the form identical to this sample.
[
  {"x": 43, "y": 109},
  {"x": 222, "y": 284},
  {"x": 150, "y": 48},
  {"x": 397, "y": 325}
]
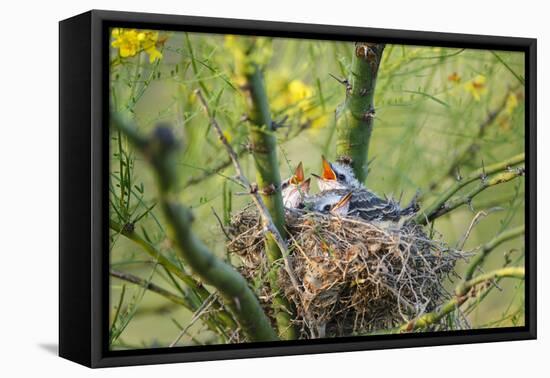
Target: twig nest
[{"x": 355, "y": 277}]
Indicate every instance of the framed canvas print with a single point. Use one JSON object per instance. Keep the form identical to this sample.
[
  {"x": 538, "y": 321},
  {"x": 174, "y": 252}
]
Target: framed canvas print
[{"x": 234, "y": 188}]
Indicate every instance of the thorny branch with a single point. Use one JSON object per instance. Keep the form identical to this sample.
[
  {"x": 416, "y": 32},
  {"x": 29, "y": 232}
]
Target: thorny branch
[
  {"x": 471, "y": 151},
  {"x": 198, "y": 293},
  {"x": 488, "y": 247},
  {"x": 428, "y": 214},
  {"x": 468, "y": 291},
  {"x": 160, "y": 150},
  {"x": 255, "y": 195},
  {"x": 151, "y": 287},
  {"x": 466, "y": 199}
]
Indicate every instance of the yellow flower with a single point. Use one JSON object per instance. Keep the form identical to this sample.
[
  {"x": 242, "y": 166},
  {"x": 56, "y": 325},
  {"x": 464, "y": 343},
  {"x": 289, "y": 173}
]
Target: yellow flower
[
  {"x": 476, "y": 87},
  {"x": 298, "y": 90},
  {"x": 131, "y": 42},
  {"x": 294, "y": 94},
  {"x": 511, "y": 103},
  {"x": 149, "y": 41},
  {"x": 296, "y": 99},
  {"x": 454, "y": 77},
  {"x": 126, "y": 41}
]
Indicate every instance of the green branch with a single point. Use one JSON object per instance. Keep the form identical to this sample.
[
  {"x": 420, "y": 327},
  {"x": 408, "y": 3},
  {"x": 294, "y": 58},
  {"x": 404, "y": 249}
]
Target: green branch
[
  {"x": 161, "y": 151},
  {"x": 153, "y": 288},
  {"x": 487, "y": 248},
  {"x": 263, "y": 145},
  {"x": 425, "y": 215},
  {"x": 469, "y": 153},
  {"x": 356, "y": 118},
  {"x": 458, "y": 300},
  {"x": 468, "y": 282},
  {"x": 198, "y": 293},
  {"x": 468, "y": 197}
]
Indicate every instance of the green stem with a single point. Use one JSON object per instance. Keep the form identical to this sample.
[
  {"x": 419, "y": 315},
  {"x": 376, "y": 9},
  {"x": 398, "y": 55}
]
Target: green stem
[
  {"x": 470, "y": 152},
  {"x": 426, "y": 214},
  {"x": 355, "y": 122},
  {"x": 484, "y": 295},
  {"x": 152, "y": 287},
  {"x": 264, "y": 151},
  {"x": 468, "y": 197},
  {"x": 231, "y": 285},
  {"x": 433, "y": 318},
  {"x": 511, "y": 272},
  {"x": 487, "y": 248},
  {"x": 198, "y": 293},
  {"x": 161, "y": 151}
]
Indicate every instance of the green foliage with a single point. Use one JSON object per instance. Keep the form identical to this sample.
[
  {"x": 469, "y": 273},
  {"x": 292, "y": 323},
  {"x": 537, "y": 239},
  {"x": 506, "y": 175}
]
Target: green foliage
[{"x": 440, "y": 114}]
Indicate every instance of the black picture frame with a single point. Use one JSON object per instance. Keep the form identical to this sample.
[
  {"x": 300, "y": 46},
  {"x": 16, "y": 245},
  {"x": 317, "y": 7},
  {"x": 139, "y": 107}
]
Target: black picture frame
[{"x": 83, "y": 232}]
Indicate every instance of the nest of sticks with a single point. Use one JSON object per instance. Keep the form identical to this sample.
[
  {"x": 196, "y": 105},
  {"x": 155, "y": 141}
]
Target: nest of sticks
[{"x": 352, "y": 277}]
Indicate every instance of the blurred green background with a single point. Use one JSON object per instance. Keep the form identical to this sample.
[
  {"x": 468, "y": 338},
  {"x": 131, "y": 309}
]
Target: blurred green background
[{"x": 431, "y": 104}]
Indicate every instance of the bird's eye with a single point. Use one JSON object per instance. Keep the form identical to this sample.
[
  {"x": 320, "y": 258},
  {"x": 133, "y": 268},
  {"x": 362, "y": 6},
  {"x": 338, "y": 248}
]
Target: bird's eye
[
  {"x": 341, "y": 177},
  {"x": 326, "y": 208},
  {"x": 285, "y": 184}
]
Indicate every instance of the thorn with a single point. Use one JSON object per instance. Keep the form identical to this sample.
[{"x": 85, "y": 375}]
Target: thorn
[
  {"x": 363, "y": 92},
  {"x": 247, "y": 147},
  {"x": 344, "y": 82},
  {"x": 279, "y": 124},
  {"x": 341, "y": 81},
  {"x": 483, "y": 176},
  {"x": 520, "y": 171},
  {"x": 458, "y": 174},
  {"x": 470, "y": 205},
  {"x": 344, "y": 159},
  {"x": 129, "y": 227},
  {"x": 369, "y": 114},
  {"x": 269, "y": 190}
]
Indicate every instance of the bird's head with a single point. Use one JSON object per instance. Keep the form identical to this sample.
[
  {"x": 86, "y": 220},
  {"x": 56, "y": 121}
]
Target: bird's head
[
  {"x": 295, "y": 188},
  {"x": 332, "y": 202},
  {"x": 336, "y": 176}
]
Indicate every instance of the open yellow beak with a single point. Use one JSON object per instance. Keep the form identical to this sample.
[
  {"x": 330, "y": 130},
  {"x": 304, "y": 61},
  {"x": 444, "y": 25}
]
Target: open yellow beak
[
  {"x": 340, "y": 204},
  {"x": 328, "y": 173}
]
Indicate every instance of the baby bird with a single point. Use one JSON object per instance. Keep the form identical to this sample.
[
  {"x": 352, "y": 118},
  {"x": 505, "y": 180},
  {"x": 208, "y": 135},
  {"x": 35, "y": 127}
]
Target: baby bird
[
  {"x": 337, "y": 176},
  {"x": 330, "y": 202},
  {"x": 295, "y": 188},
  {"x": 339, "y": 179}
]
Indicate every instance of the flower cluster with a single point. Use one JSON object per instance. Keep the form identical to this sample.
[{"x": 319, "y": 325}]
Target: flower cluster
[
  {"x": 296, "y": 99},
  {"x": 131, "y": 42},
  {"x": 292, "y": 96},
  {"x": 476, "y": 87}
]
